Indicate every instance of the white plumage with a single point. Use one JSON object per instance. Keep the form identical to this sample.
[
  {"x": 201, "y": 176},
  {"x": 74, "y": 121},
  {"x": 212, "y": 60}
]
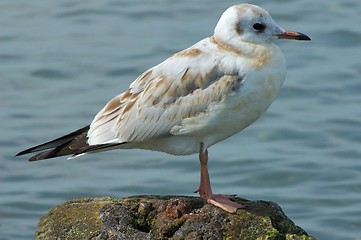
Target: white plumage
[
  {"x": 191, "y": 96},
  {"x": 194, "y": 99}
]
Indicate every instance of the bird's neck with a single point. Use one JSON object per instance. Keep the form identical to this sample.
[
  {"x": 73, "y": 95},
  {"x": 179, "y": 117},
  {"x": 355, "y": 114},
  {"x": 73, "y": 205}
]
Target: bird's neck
[{"x": 244, "y": 49}]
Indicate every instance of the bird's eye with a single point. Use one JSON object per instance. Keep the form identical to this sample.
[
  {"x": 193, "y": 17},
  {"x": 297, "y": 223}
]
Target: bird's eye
[{"x": 259, "y": 27}]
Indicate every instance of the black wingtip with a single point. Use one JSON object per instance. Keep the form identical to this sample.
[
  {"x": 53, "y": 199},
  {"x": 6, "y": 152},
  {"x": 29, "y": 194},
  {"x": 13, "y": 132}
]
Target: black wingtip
[
  {"x": 36, "y": 157},
  {"x": 53, "y": 144},
  {"x": 74, "y": 144},
  {"x": 24, "y": 152}
]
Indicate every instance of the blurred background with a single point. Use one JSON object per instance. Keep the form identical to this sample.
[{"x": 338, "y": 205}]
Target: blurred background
[{"x": 61, "y": 61}]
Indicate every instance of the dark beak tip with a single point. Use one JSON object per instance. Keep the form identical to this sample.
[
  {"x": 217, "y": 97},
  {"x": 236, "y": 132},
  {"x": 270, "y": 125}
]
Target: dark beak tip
[
  {"x": 304, "y": 37},
  {"x": 289, "y": 34},
  {"x": 301, "y": 36}
]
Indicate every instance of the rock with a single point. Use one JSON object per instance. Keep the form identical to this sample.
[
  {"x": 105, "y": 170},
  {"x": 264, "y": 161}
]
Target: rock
[{"x": 165, "y": 217}]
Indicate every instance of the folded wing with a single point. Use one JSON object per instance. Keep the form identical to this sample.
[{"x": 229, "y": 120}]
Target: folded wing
[{"x": 181, "y": 87}]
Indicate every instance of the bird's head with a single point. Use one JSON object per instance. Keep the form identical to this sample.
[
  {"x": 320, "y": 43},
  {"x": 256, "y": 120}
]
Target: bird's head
[{"x": 250, "y": 23}]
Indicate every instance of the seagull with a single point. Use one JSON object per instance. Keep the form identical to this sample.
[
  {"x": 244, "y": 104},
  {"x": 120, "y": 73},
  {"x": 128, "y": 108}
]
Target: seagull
[{"x": 192, "y": 100}]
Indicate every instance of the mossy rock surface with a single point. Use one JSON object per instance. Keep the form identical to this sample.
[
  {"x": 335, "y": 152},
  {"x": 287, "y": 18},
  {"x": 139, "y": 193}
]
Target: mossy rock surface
[{"x": 165, "y": 217}]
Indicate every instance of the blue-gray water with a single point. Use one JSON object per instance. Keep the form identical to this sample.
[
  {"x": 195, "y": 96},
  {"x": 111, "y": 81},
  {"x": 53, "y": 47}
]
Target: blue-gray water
[{"x": 61, "y": 61}]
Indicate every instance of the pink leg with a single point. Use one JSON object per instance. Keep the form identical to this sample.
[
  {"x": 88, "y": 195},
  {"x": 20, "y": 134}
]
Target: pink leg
[{"x": 205, "y": 191}]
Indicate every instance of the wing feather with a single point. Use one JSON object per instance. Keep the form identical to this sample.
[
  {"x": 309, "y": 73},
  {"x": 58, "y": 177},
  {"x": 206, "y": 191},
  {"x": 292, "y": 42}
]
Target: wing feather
[{"x": 159, "y": 100}]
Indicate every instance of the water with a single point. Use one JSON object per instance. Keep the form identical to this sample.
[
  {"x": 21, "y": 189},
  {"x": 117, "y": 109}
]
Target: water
[{"x": 62, "y": 61}]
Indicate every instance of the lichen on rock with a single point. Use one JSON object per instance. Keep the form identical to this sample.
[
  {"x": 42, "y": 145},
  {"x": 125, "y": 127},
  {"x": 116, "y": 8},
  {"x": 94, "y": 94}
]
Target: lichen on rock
[{"x": 165, "y": 217}]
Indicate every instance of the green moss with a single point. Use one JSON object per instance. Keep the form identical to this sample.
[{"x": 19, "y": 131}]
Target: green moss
[
  {"x": 75, "y": 223},
  {"x": 152, "y": 222},
  {"x": 299, "y": 237},
  {"x": 142, "y": 224},
  {"x": 273, "y": 234},
  {"x": 227, "y": 235},
  {"x": 252, "y": 226},
  {"x": 259, "y": 227}
]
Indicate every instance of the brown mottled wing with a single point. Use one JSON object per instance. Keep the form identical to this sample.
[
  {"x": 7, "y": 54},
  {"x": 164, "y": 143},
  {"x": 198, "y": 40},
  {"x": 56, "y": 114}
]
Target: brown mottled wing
[{"x": 181, "y": 87}]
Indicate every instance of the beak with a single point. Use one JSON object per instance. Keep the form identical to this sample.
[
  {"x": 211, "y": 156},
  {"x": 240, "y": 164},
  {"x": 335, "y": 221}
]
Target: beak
[{"x": 289, "y": 34}]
